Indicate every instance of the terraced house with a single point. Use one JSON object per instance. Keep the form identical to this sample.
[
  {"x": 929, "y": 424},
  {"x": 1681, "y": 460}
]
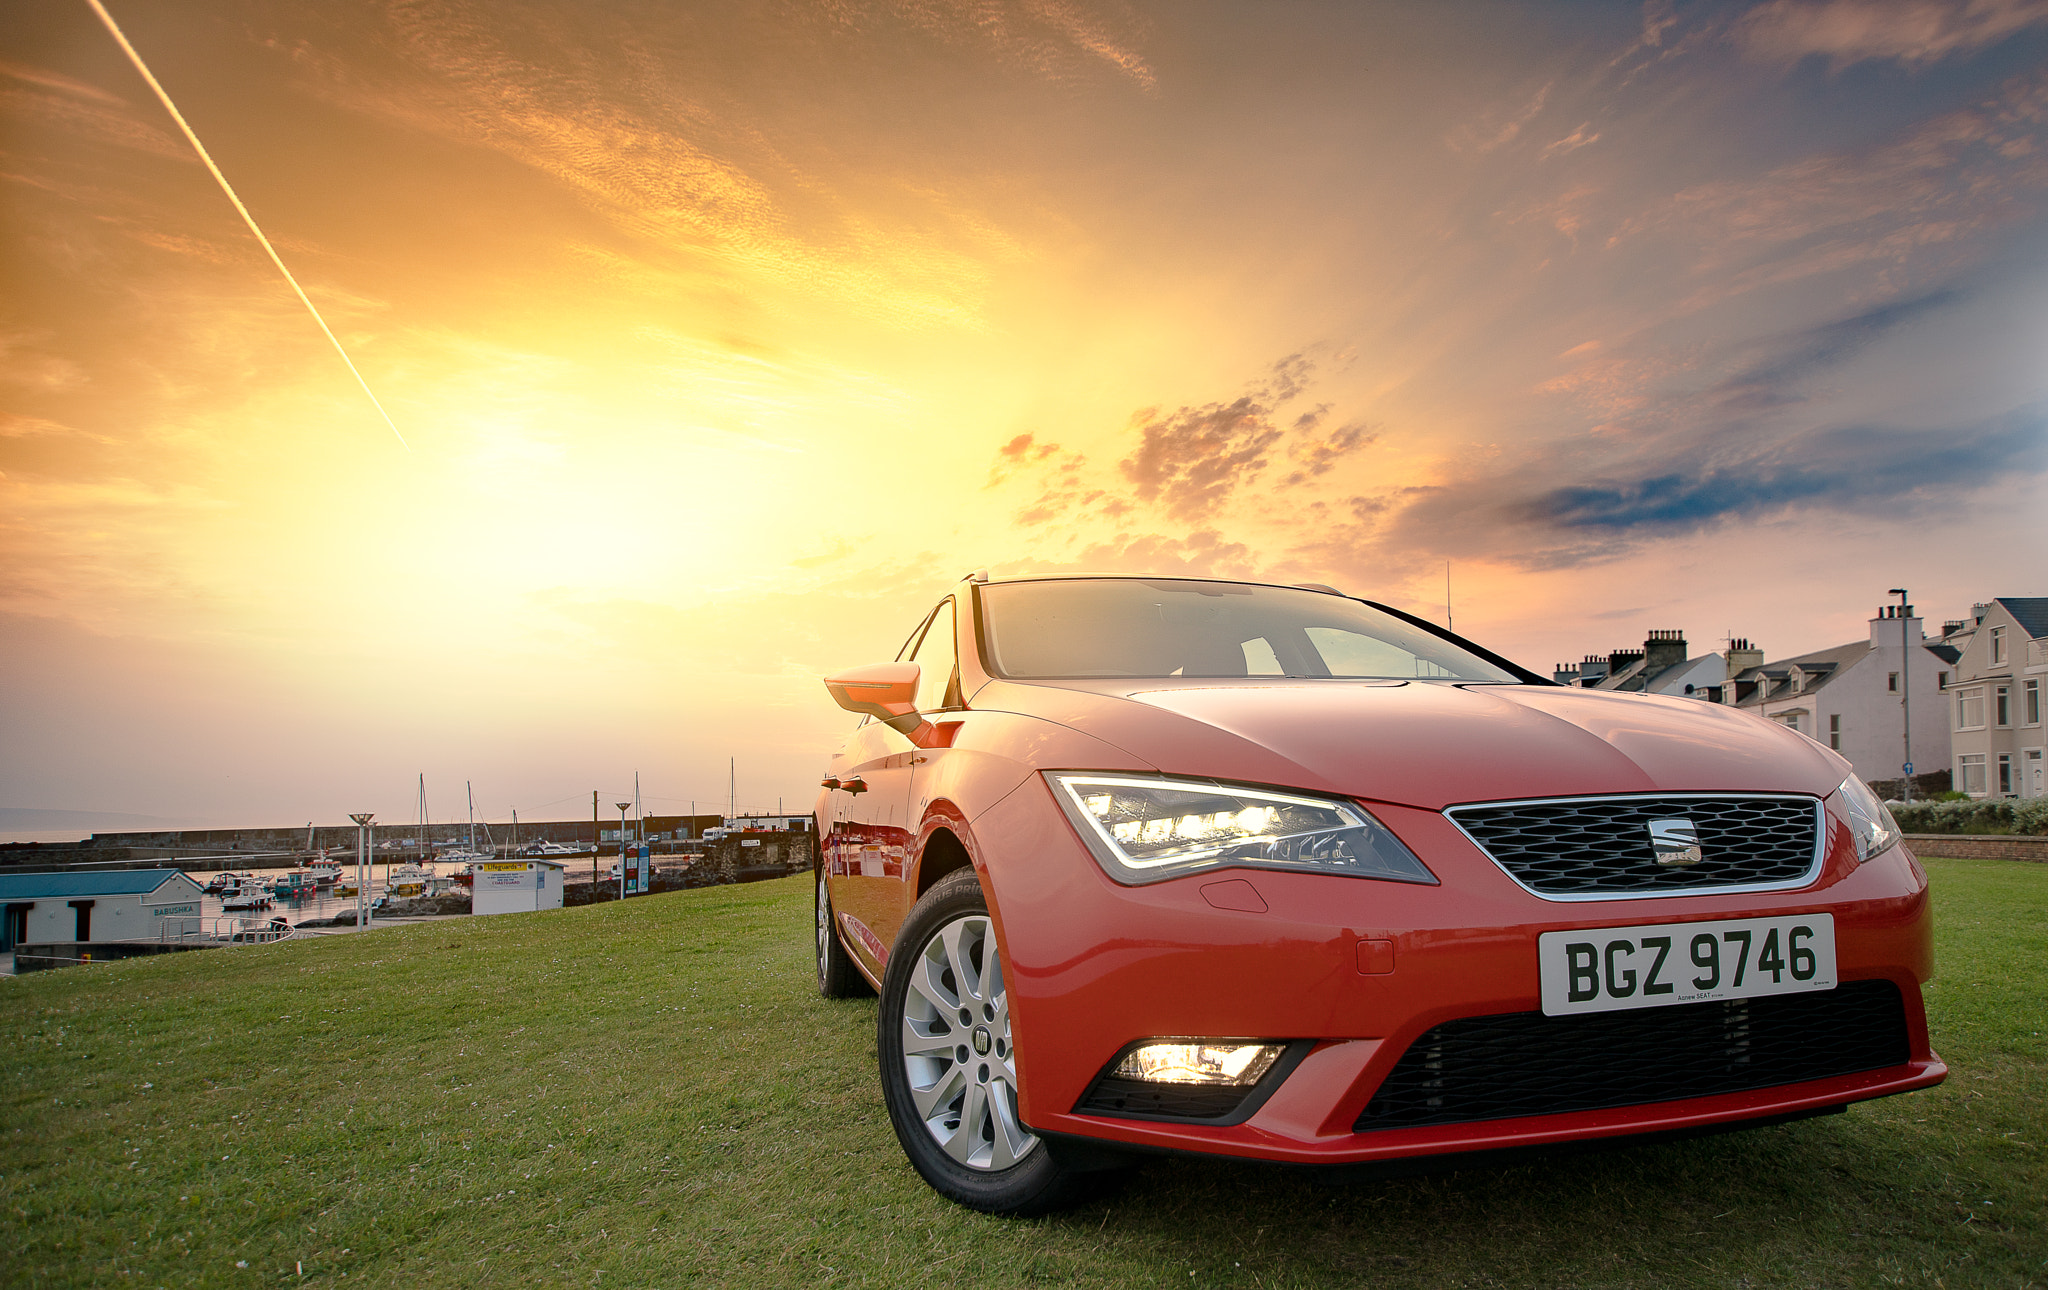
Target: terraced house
[
  {"x": 1994, "y": 698},
  {"x": 1855, "y": 697}
]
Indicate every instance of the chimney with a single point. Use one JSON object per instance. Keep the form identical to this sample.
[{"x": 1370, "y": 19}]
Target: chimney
[
  {"x": 1890, "y": 625},
  {"x": 1565, "y": 674},
  {"x": 1593, "y": 670},
  {"x": 1742, "y": 656},
  {"x": 1664, "y": 649},
  {"x": 1621, "y": 660}
]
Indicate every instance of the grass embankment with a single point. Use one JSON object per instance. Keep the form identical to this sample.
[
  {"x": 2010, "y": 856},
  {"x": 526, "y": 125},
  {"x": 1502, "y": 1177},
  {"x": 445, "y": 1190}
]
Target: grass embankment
[{"x": 650, "y": 1094}]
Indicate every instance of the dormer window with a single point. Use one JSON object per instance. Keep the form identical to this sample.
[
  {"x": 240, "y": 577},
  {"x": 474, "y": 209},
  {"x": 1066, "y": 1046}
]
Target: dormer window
[{"x": 1997, "y": 645}]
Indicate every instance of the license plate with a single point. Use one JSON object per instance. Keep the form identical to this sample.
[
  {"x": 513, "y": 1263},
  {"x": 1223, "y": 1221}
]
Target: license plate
[{"x": 1605, "y": 969}]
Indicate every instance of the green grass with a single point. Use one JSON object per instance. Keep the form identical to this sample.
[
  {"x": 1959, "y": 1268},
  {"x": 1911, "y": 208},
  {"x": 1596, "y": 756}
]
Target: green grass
[{"x": 650, "y": 1094}]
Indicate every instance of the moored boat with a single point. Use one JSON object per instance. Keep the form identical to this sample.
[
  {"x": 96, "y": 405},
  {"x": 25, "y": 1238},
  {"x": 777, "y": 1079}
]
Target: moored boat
[{"x": 295, "y": 884}]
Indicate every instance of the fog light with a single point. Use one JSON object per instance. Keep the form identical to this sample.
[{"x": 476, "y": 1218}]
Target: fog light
[{"x": 1194, "y": 1061}]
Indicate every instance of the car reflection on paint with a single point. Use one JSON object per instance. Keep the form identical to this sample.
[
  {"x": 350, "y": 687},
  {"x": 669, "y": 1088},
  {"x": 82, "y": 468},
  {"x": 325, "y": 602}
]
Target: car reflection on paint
[{"x": 1186, "y": 865}]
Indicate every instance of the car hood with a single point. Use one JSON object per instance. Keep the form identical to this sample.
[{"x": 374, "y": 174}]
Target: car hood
[{"x": 1434, "y": 744}]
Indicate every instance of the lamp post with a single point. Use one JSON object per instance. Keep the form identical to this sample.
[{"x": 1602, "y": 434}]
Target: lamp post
[
  {"x": 1906, "y": 681},
  {"x": 363, "y": 835},
  {"x": 623, "y": 808}
]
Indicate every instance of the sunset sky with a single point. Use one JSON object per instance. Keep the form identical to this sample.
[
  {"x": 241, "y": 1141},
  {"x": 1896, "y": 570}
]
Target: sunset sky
[{"x": 726, "y": 336}]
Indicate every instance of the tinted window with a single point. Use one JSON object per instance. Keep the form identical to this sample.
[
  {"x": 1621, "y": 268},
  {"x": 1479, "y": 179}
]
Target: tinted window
[{"x": 1157, "y": 627}]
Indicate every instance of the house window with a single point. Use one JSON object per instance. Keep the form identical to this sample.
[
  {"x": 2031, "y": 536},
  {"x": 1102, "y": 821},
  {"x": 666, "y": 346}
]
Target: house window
[
  {"x": 1892, "y": 682},
  {"x": 2031, "y": 703},
  {"x": 2002, "y": 704},
  {"x": 1970, "y": 774},
  {"x": 2005, "y": 774},
  {"x": 1941, "y": 680},
  {"x": 1997, "y": 645},
  {"x": 1835, "y": 731},
  {"x": 1969, "y": 710}
]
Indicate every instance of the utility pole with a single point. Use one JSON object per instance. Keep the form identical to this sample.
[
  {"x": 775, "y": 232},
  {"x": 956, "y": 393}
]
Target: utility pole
[
  {"x": 1906, "y": 681},
  {"x": 593, "y": 842},
  {"x": 732, "y": 788}
]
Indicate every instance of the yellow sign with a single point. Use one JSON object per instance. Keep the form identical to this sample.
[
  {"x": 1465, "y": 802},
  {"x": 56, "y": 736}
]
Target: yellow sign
[{"x": 502, "y": 866}]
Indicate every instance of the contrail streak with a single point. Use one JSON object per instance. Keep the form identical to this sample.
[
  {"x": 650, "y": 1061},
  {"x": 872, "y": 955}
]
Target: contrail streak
[{"x": 200, "y": 148}]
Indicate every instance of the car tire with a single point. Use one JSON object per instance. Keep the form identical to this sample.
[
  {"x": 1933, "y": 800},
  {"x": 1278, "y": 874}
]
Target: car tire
[
  {"x": 954, "y": 1104},
  {"x": 838, "y": 978}
]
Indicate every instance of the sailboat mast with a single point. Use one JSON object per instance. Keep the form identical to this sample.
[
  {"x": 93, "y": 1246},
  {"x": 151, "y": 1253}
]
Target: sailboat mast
[{"x": 472, "y": 815}]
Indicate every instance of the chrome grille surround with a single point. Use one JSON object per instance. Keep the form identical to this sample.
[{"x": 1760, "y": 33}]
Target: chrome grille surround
[{"x": 1613, "y": 859}]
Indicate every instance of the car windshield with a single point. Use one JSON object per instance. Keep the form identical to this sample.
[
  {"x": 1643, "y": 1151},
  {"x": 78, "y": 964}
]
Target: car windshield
[{"x": 1162, "y": 627}]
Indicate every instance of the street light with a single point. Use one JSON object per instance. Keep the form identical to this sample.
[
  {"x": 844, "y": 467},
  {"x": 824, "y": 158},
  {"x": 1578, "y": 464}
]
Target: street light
[
  {"x": 623, "y": 808},
  {"x": 363, "y": 835},
  {"x": 1906, "y": 681}
]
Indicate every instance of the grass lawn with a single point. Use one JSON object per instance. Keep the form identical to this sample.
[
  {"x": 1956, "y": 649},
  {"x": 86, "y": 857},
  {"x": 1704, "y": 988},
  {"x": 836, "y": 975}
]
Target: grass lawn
[{"x": 650, "y": 1094}]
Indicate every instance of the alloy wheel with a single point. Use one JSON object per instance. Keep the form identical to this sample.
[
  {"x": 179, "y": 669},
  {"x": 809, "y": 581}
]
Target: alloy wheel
[{"x": 957, "y": 1050}]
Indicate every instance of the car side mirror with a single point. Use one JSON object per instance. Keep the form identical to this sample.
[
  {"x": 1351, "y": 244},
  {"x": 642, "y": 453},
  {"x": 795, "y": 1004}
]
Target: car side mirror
[{"x": 885, "y": 691}]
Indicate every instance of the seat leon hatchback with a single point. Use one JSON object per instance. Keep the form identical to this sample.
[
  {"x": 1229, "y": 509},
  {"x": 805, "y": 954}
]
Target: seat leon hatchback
[{"x": 1145, "y": 865}]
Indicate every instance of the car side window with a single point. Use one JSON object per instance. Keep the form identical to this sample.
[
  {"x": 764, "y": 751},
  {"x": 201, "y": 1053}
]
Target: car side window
[{"x": 937, "y": 657}]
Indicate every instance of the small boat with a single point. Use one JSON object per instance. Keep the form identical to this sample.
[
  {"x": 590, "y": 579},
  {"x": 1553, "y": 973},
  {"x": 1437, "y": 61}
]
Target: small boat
[
  {"x": 549, "y": 849},
  {"x": 407, "y": 880},
  {"x": 248, "y": 898},
  {"x": 295, "y": 884},
  {"x": 325, "y": 872}
]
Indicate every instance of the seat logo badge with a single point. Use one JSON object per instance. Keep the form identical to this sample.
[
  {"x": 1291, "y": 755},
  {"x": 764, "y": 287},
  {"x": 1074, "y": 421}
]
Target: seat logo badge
[{"x": 1675, "y": 842}]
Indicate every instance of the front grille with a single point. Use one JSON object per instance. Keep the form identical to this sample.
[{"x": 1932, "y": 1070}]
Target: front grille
[
  {"x": 1524, "y": 1063},
  {"x": 1595, "y": 848}
]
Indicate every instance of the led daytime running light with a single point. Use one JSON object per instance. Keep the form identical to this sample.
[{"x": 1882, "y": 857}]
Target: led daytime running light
[
  {"x": 1870, "y": 823},
  {"x": 1147, "y": 828}
]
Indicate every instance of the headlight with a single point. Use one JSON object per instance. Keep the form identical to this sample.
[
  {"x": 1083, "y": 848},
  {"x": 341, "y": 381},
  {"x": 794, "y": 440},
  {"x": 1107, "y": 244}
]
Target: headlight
[
  {"x": 1146, "y": 828},
  {"x": 1872, "y": 826}
]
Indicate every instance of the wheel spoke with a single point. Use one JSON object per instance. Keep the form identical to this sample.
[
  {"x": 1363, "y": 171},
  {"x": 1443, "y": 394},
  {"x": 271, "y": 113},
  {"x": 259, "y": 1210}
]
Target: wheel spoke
[
  {"x": 1011, "y": 1138},
  {"x": 923, "y": 979},
  {"x": 959, "y": 941},
  {"x": 965, "y": 1141},
  {"x": 942, "y": 1091},
  {"x": 916, "y": 1043}
]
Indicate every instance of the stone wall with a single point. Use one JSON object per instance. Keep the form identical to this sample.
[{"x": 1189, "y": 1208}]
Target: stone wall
[{"x": 1979, "y": 846}]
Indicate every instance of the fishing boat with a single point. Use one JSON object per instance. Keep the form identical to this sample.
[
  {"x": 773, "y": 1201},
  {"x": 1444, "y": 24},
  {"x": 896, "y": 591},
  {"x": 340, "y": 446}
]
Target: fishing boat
[
  {"x": 325, "y": 872},
  {"x": 407, "y": 880},
  {"x": 295, "y": 884},
  {"x": 249, "y": 897},
  {"x": 549, "y": 849}
]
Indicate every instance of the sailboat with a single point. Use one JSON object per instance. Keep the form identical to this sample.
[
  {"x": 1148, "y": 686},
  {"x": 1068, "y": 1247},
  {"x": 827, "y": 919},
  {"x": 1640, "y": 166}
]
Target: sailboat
[{"x": 468, "y": 854}]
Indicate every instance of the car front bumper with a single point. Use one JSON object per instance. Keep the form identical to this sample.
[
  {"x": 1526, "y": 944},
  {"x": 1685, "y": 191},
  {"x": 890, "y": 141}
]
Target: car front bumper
[{"x": 1359, "y": 970}]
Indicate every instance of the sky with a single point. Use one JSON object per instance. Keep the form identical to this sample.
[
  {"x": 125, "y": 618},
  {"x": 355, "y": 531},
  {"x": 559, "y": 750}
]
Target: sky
[{"x": 723, "y": 338}]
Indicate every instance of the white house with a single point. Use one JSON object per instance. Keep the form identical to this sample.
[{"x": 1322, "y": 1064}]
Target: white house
[
  {"x": 108, "y": 905},
  {"x": 1855, "y": 697},
  {"x": 1994, "y": 701}
]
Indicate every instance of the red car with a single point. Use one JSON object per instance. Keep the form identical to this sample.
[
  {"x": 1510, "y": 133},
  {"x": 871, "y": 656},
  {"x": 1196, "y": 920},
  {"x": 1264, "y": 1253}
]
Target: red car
[{"x": 1182, "y": 865}]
